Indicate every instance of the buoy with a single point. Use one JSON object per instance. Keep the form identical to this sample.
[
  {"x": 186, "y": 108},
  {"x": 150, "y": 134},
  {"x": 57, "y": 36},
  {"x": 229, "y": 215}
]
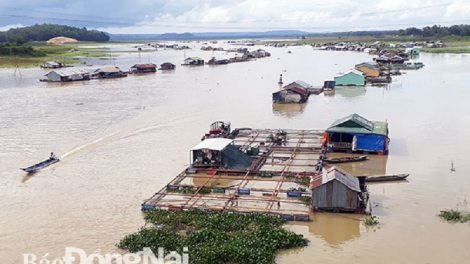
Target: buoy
[{"x": 280, "y": 80}]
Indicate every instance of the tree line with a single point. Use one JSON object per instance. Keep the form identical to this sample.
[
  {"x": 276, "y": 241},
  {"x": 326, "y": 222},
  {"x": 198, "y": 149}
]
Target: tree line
[
  {"x": 47, "y": 31},
  {"x": 436, "y": 31}
]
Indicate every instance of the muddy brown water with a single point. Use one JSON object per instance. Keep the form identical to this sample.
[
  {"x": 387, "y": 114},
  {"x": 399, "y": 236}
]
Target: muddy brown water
[{"x": 121, "y": 140}]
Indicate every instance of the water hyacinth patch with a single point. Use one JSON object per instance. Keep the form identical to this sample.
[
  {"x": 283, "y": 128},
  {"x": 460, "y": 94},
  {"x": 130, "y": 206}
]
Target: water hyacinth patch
[{"x": 215, "y": 237}]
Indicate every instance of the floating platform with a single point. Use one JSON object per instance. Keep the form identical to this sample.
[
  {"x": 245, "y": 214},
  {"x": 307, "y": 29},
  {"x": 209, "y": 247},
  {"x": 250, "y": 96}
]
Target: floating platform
[{"x": 278, "y": 176}]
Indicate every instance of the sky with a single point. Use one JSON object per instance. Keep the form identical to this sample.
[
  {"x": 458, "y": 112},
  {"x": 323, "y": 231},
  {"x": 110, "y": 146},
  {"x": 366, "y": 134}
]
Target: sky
[{"x": 172, "y": 16}]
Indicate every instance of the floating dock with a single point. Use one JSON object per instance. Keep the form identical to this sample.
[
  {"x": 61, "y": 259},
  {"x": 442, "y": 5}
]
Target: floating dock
[{"x": 284, "y": 162}]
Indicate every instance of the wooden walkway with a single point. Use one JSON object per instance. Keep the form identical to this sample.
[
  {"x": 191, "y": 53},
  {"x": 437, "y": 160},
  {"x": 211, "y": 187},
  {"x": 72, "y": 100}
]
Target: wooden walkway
[{"x": 287, "y": 159}]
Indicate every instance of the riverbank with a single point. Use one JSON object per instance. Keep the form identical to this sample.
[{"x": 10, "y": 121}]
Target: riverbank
[{"x": 67, "y": 54}]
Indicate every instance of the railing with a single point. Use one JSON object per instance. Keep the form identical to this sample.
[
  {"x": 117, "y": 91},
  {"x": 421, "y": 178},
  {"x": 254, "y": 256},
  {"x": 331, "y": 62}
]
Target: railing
[{"x": 340, "y": 145}]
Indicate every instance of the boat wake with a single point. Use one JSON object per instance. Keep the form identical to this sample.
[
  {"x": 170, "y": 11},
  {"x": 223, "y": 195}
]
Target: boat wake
[{"x": 88, "y": 145}]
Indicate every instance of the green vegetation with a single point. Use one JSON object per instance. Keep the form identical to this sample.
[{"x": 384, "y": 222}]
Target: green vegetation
[
  {"x": 214, "y": 237},
  {"x": 47, "y": 31},
  {"x": 304, "y": 181},
  {"x": 305, "y": 199},
  {"x": 298, "y": 189},
  {"x": 189, "y": 190},
  {"x": 371, "y": 221},
  {"x": 21, "y": 55},
  {"x": 454, "y": 216}
]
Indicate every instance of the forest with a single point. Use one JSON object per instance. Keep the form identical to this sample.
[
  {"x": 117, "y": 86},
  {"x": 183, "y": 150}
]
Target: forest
[
  {"x": 47, "y": 31},
  {"x": 436, "y": 31}
]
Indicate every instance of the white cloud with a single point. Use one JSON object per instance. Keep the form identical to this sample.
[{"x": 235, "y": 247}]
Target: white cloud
[
  {"x": 458, "y": 10},
  {"x": 7, "y": 27},
  {"x": 160, "y": 16}
]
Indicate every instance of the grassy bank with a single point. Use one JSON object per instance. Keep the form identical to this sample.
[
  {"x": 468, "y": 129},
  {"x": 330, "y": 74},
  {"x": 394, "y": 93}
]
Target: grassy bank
[
  {"x": 214, "y": 237},
  {"x": 64, "y": 53},
  {"x": 455, "y": 44}
]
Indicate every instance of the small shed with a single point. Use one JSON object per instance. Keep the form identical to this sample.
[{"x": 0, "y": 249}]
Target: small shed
[
  {"x": 144, "y": 68},
  {"x": 167, "y": 66},
  {"x": 67, "y": 75},
  {"x": 219, "y": 153},
  {"x": 350, "y": 78},
  {"x": 369, "y": 69},
  {"x": 338, "y": 191},
  {"x": 355, "y": 133},
  {"x": 193, "y": 61}
]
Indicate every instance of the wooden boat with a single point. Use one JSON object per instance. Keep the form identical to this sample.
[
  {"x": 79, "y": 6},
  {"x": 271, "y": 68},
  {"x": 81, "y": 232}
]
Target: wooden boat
[
  {"x": 40, "y": 165},
  {"x": 346, "y": 159},
  {"x": 382, "y": 178}
]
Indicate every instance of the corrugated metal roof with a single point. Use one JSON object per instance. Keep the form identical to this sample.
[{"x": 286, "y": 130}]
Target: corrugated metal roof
[
  {"x": 298, "y": 83},
  {"x": 148, "y": 65},
  {"x": 342, "y": 176},
  {"x": 69, "y": 72},
  {"x": 108, "y": 69},
  {"x": 213, "y": 144},
  {"x": 368, "y": 65},
  {"x": 362, "y": 126},
  {"x": 303, "y": 84},
  {"x": 369, "y": 125},
  {"x": 354, "y": 71},
  {"x": 297, "y": 90},
  {"x": 195, "y": 58}
]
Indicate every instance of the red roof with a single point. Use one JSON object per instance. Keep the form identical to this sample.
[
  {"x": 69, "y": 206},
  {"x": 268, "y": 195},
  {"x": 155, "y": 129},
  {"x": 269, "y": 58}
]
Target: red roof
[
  {"x": 298, "y": 90},
  {"x": 145, "y": 65}
]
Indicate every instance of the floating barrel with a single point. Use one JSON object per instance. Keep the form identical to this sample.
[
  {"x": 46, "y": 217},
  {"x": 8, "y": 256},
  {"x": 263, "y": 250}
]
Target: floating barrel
[
  {"x": 243, "y": 191},
  {"x": 146, "y": 207},
  {"x": 218, "y": 190},
  {"x": 293, "y": 194},
  {"x": 293, "y": 217}
]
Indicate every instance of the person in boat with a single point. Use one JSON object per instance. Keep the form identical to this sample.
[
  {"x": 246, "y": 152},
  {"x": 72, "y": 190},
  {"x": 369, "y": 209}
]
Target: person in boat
[{"x": 53, "y": 156}]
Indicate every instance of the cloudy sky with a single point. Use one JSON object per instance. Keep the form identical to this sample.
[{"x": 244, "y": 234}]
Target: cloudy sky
[{"x": 162, "y": 16}]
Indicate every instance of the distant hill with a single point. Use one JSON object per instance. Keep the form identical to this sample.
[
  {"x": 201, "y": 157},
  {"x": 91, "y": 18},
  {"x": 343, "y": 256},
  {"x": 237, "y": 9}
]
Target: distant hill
[
  {"x": 208, "y": 35},
  {"x": 45, "y": 32}
]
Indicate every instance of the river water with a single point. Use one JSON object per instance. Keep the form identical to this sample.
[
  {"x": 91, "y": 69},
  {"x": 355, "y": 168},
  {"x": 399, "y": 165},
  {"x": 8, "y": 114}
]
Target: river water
[{"x": 121, "y": 140}]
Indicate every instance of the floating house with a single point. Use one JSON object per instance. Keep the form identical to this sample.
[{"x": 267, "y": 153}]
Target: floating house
[
  {"x": 215, "y": 61},
  {"x": 167, "y": 66},
  {"x": 220, "y": 153},
  {"x": 291, "y": 95},
  {"x": 295, "y": 92},
  {"x": 339, "y": 191},
  {"x": 260, "y": 53},
  {"x": 369, "y": 69},
  {"x": 241, "y": 58},
  {"x": 354, "y": 133},
  {"x": 350, "y": 78},
  {"x": 52, "y": 65},
  {"x": 143, "y": 68},
  {"x": 193, "y": 61},
  {"x": 67, "y": 76},
  {"x": 109, "y": 72},
  {"x": 412, "y": 51}
]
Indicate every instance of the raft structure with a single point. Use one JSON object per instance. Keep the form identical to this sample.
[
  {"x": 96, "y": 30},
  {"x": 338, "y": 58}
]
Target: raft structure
[{"x": 283, "y": 163}]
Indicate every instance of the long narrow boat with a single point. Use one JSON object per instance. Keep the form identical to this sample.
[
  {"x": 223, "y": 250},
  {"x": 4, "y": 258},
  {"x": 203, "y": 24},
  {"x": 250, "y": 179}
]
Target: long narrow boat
[
  {"x": 345, "y": 159},
  {"x": 40, "y": 165},
  {"x": 382, "y": 178}
]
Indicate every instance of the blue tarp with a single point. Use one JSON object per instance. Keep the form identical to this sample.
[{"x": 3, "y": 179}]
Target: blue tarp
[{"x": 370, "y": 142}]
